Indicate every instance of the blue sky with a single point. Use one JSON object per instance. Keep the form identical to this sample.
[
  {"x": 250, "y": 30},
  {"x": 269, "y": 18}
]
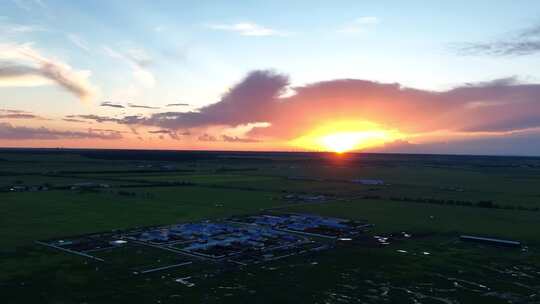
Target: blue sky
[{"x": 160, "y": 52}]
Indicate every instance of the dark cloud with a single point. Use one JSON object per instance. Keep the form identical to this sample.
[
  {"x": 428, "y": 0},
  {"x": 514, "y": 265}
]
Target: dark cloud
[
  {"x": 142, "y": 106},
  {"x": 408, "y": 110},
  {"x": 252, "y": 96},
  {"x": 96, "y": 118},
  {"x": 172, "y": 133},
  {"x": 207, "y": 137},
  {"x": 520, "y": 143},
  {"x": 524, "y": 42},
  {"x": 16, "y": 70},
  {"x": 104, "y": 130},
  {"x": 112, "y": 105},
  {"x": 507, "y": 81},
  {"x": 497, "y": 105},
  {"x": 130, "y": 120},
  {"x": 227, "y": 138},
  {"x": 10, "y": 132},
  {"x": 14, "y": 111},
  {"x": 20, "y": 116},
  {"x": 519, "y": 122},
  {"x": 177, "y": 104},
  {"x": 75, "y": 120},
  {"x": 159, "y": 131}
]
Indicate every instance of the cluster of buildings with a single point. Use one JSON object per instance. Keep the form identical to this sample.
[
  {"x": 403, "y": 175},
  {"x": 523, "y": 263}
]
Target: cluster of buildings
[
  {"x": 241, "y": 240},
  {"x": 182, "y": 233},
  {"x": 28, "y": 188},
  {"x": 218, "y": 240},
  {"x": 46, "y": 187},
  {"x": 307, "y": 224}
]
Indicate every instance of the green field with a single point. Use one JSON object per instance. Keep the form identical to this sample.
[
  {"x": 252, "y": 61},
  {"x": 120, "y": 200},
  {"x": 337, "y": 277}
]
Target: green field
[
  {"x": 391, "y": 216},
  {"x": 435, "y": 199},
  {"x": 27, "y": 218}
]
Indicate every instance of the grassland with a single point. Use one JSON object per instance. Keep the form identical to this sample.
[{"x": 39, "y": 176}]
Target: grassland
[
  {"x": 166, "y": 188},
  {"x": 27, "y": 218},
  {"x": 389, "y": 216}
]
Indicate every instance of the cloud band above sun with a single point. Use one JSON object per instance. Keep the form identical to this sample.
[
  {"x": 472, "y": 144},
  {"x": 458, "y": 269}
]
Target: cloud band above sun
[
  {"x": 366, "y": 110},
  {"x": 337, "y": 115}
]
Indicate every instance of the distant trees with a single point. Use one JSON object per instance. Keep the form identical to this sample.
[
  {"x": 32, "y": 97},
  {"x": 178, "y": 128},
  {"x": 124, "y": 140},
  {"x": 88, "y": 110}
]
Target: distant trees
[
  {"x": 487, "y": 204},
  {"x": 479, "y": 204},
  {"x": 126, "y": 193}
]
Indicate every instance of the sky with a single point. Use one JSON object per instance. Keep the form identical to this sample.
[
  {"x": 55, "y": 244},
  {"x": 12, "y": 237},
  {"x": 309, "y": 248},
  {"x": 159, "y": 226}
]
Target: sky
[{"x": 459, "y": 77}]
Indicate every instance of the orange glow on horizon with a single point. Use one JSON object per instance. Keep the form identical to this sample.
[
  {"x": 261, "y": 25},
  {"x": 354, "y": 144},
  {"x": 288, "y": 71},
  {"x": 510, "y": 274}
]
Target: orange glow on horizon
[{"x": 345, "y": 136}]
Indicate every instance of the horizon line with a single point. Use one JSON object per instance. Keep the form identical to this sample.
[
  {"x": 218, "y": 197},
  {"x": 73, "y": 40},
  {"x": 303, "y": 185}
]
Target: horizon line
[{"x": 264, "y": 151}]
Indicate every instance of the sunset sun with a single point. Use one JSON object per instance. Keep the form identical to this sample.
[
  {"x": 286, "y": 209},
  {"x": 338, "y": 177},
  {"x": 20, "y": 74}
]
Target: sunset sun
[
  {"x": 346, "y": 141},
  {"x": 346, "y": 136}
]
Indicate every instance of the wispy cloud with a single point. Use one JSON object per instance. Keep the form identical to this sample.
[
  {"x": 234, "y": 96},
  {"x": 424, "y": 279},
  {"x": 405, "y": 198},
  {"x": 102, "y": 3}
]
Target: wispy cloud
[
  {"x": 207, "y": 137},
  {"x": 21, "y": 64},
  {"x": 79, "y": 42},
  {"x": 227, "y": 138},
  {"x": 173, "y": 134},
  {"x": 177, "y": 104},
  {"x": 139, "y": 61},
  {"x": 111, "y": 105},
  {"x": 523, "y": 42},
  {"x": 29, "y": 5},
  {"x": 247, "y": 29},
  {"x": 10, "y": 132},
  {"x": 144, "y": 76},
  {"x": 21, "y": 116},
  {"x": 75, "y": 120},
  {"x": 359, "y": 25},
  {"x": 14, "y": 111},
  {"x": 8, "y": 29},
  {"x": 93, "y": 130},
  {"x": 131, "y": 105},
  {"x": 93, "y": 117},
  {"x": 23, "y": 4}
]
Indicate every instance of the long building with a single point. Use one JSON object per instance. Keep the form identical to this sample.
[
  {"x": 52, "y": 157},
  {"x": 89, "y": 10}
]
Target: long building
[{"x": 492, "y": 241}]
